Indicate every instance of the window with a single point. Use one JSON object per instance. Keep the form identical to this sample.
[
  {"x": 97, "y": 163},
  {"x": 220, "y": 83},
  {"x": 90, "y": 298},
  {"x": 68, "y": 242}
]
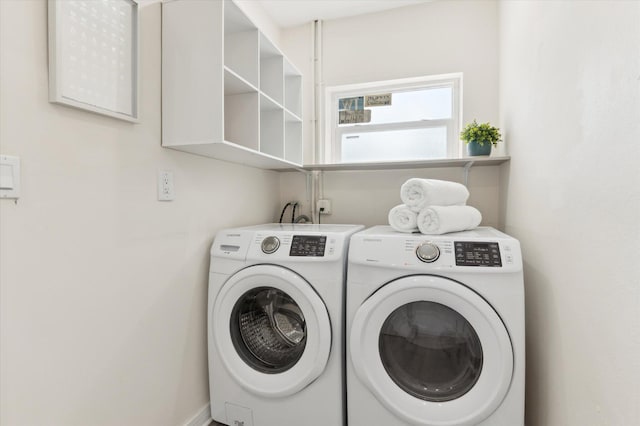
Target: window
[{"x": 398, "y": 120}]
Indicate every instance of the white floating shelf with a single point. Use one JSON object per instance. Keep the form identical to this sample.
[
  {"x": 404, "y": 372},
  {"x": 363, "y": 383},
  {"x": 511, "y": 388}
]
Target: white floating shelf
[
  {"x": 235, "y": 85},
  {"x": 419, "y": 164},
  {"x": 228, "y": 151}
]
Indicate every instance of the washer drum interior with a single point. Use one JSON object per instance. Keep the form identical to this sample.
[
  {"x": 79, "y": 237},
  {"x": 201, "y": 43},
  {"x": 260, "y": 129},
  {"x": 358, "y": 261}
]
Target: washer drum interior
[{"x": 268, "y": 330}]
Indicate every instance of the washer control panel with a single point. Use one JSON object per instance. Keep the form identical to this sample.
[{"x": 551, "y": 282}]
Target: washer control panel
[
  {"x": 308, "y": 245},
  {"x": 302, "y": 247},
  {"x": 475, "y": 253},
  {"x": 285, "y": 242}
]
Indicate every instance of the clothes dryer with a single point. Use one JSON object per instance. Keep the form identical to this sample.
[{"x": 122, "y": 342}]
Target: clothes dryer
[
  {"x": 276, "y": 325},
  {"x": 435, "y": 329}
]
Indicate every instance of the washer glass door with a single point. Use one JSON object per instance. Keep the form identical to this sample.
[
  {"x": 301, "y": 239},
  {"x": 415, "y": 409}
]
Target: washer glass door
[
  {"x": 268, "y": 329},
  {"x": 271, "y": 330},
  {"x": 432, "y": 351}
]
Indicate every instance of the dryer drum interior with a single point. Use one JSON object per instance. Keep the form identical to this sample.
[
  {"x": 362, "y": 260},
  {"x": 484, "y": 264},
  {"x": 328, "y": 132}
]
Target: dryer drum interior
[
  {"x": 430, "y": 351},
  {"x": 268, "y": 330}
]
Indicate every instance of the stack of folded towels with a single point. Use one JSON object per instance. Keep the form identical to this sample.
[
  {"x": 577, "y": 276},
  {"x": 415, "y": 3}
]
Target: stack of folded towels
[{"x": 433, "y": 207}]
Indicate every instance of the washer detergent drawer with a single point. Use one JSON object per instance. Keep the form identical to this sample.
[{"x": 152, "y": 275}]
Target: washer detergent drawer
[{"x": 231, "y": 245}]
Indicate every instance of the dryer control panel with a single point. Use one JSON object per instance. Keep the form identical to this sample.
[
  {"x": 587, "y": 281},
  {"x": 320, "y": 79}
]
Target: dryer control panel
[{"x": 483, "y": 250}]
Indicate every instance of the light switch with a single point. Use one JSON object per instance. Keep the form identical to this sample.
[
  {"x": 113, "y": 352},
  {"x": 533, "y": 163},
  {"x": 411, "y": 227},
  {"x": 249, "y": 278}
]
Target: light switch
[
  {"x": 9, "y": 176},
  {"x": 6, "y": 176}
]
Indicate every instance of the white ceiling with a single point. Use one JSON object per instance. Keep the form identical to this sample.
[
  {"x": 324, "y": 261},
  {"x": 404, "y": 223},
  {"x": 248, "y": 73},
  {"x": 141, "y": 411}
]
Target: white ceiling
[{"x": 289, "y": 13}]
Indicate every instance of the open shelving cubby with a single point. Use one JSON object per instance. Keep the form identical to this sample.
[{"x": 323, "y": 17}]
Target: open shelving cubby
[
  {"x": 241, "y": 45},
  {"x": 228, "y": 91},
  {"x": 271, "y": 71},
  {"x": 293, "y": 113},
  {"x": 292, "y": 89},
  {"x": 292, "y": 138},
  {"x": 271, "y": 127}
]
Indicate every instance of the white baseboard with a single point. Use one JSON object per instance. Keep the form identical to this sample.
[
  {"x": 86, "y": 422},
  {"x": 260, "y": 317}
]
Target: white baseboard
[{"x": 202, "y": 418}]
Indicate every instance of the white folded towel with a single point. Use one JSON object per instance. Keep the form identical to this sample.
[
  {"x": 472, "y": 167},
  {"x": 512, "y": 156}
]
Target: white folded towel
[
  {"x": 420, "y": 193},
  {"x": 436, "y": 220},
  {"x": 403, "y": 219}
]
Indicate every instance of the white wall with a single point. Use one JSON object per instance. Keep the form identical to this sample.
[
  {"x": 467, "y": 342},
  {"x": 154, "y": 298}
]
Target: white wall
[
  {"x": 570, "y": 99},
  {"x": 426, "y": 39},
  {"x": 103, "y": 288},
  {"x": 365, "y": 197}
]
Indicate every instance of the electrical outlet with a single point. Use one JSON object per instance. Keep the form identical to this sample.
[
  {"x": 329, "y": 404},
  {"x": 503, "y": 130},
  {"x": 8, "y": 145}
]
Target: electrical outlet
[
  {"x": 324, "y": 206},
  {"x": 166, "y": 190}
]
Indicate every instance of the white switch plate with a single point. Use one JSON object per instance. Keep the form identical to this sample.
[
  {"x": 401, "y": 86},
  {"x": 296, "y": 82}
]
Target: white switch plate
[
  {"x": 166, "y": 190},
  {"x": 9, "y": 177}
]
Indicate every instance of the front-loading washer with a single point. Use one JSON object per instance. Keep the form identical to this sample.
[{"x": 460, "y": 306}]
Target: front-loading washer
[
  {"x": 436, "y": 330},
  {"x": 276, "y": 325}
]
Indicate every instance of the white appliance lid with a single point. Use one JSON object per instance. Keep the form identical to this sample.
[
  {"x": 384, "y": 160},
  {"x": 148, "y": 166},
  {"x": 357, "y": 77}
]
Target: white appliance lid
[
  {"x": 302, "y": 227},
  {"x": 481, "y": 232}
]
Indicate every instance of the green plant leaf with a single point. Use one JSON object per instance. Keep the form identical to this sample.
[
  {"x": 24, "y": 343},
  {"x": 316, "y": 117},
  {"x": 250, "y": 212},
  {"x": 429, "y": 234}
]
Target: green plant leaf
[{"x": 482, "y": 133}]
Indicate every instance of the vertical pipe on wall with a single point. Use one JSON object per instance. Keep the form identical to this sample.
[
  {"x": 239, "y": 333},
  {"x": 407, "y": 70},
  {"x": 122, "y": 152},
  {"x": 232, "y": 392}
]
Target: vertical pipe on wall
[
  {"x": 317, "y": 93},
  {"x": 315, "y": 194},
  {"x": 311, "y": 193},
  {"x": 317, "y": 137}
]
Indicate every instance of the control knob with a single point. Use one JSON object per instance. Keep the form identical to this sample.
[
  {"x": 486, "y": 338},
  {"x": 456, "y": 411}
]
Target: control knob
[
  {"x": 270, "y": 244},
  {"x": 428, "y": 252}
]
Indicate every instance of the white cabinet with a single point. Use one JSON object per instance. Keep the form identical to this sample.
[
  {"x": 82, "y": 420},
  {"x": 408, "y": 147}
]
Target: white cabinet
[{"x": 227, "y": 90}]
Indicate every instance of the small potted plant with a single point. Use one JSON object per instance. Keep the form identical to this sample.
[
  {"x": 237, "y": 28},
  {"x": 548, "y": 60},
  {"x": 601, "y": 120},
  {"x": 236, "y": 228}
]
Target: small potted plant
[{"x": 480, "y": 137}]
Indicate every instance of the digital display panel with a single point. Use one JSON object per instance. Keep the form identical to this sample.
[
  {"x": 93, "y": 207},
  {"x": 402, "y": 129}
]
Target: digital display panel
[
  {"x": 471, "y": 253},
  {"x": 308, "y": 245}
]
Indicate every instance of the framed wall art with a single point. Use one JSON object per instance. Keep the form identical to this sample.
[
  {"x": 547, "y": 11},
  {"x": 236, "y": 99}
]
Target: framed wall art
[{"x": 93, "y": 56}]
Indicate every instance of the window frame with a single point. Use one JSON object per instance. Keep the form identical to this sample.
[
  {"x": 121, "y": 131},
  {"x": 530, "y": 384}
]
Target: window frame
[{"x": 331, "y": 149}]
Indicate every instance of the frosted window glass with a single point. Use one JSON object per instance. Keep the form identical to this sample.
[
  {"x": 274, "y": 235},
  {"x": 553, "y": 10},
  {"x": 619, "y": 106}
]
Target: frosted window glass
[
  {"x": 395, "y": 145},
  {"x": 416, "y": 105}
]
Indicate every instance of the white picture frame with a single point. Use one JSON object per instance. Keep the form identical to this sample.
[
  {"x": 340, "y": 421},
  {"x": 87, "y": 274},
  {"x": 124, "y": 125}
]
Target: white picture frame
[{"x": 93, "y": 56}]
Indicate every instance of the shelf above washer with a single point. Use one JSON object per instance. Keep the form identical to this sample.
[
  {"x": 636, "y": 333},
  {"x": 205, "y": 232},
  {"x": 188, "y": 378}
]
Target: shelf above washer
[{"x": 420, "y": 164}]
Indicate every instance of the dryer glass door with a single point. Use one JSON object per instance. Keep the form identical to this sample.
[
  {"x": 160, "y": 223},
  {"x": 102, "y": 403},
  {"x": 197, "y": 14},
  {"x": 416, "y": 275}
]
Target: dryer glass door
[{"x": 432, "y": 351}]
